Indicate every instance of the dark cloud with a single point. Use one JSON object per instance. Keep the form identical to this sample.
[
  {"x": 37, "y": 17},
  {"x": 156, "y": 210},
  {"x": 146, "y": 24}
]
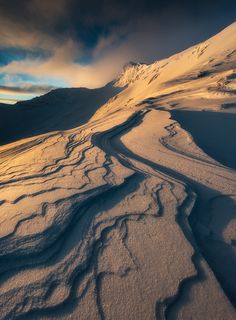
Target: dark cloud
[{"x": 87, "y": 20}]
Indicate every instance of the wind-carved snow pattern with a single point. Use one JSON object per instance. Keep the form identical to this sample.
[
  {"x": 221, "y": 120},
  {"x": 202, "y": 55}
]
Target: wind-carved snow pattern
[{"x": 125, "y": 216}]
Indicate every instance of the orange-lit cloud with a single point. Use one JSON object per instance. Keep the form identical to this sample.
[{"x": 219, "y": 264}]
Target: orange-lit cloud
[
  {"x": 25, "y": 90},
  {"x": 8, "y": 101},
  {"x": 61, "y": 66}
]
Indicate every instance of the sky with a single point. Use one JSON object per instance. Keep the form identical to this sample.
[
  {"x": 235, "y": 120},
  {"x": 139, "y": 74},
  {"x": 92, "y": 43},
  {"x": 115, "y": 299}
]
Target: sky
[{"x": 85, "y": 43}]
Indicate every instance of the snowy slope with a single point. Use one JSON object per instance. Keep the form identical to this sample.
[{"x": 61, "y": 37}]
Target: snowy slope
[
  {"x": 206, "y": 70},
  {"x": 125, "y": 215},
  {"x": 216, "y": 53}
]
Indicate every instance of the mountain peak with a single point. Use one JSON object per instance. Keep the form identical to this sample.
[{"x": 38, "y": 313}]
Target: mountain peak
[
  {"x": 130, "y": 73},
  {"x": 132, "y": 64}
]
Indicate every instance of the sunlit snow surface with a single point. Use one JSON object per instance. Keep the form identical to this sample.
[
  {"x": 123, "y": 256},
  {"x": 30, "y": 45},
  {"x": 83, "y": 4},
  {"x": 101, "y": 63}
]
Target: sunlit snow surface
[{"x": 125, "y": 216}]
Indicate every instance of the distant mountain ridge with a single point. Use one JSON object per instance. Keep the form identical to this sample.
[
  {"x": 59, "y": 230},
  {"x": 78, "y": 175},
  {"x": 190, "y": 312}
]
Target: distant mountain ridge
[{"x": 59, "y": 109}]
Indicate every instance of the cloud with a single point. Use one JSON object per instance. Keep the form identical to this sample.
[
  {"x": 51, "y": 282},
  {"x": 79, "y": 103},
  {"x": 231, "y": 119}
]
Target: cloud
[
  {"x": 12, "y": 94},
  {"x": 34, "y": 24},
  {"x": 108, "y": 61},
  {"x": 26, "y": 89},
  {"x": 49, "y": 10},
  {"x": 64, "y": 34},
  {"x": 8, "y": 101}
]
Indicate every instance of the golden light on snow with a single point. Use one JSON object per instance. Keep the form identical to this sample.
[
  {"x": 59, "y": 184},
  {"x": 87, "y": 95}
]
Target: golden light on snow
[{"x": 98, "y": 200}]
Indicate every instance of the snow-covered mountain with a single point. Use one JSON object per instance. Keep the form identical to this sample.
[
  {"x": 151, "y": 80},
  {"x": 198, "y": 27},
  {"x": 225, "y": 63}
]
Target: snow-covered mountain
[
  {"x": 205, "y": 57},
  {"x": 208, "y": 66},
  {"x": 119, "y": 202}
]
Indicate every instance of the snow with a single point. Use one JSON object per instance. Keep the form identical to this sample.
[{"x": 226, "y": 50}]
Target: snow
[{"x": 112, "y": 207}]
